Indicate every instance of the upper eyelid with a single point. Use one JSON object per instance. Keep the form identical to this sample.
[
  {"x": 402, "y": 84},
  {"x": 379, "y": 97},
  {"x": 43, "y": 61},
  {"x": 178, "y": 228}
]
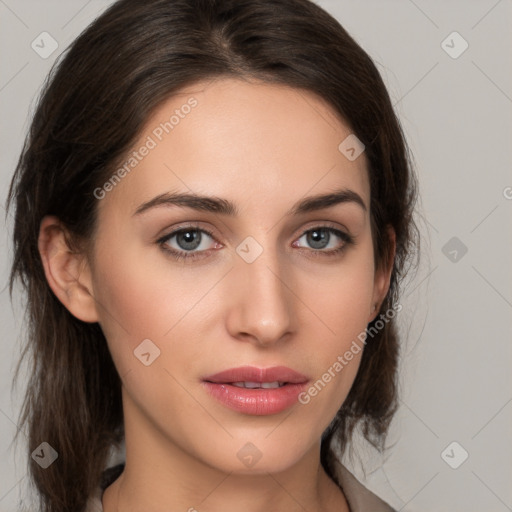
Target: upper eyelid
[{"x": 209, "y": 232}]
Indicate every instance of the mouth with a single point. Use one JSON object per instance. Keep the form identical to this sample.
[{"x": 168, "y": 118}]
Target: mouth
[
  {"x": 258, "y": 385},
  {"x": 256, "y": 391}
]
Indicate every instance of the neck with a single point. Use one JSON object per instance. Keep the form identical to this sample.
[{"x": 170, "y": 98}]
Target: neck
[{"x": 160, "y": 476}]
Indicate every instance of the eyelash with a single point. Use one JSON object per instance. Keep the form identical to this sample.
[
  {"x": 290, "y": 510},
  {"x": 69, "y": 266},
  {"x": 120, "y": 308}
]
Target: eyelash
[{"x": 189, "y": 256}]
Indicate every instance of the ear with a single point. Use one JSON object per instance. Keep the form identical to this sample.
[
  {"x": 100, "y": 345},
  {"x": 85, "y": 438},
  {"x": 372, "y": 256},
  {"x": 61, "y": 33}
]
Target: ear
[
  {"x": 383, "y": 276},
  {"x": 67, "y": 271}
]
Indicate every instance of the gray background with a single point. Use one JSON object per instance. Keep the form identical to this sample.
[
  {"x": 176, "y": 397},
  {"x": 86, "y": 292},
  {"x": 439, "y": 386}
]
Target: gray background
[{"x": 456, "y": 321}]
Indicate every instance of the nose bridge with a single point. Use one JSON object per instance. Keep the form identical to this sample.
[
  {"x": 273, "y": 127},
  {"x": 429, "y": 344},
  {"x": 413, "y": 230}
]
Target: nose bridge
[{"x": 263, "y": 305}]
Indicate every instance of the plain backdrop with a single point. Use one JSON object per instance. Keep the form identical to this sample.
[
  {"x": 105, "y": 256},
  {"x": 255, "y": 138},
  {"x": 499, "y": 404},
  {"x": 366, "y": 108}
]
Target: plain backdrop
[{"x": 448, "y": 69}]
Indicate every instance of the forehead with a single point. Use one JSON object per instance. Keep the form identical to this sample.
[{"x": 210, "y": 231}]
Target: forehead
[{"x": 247, "y": 141}]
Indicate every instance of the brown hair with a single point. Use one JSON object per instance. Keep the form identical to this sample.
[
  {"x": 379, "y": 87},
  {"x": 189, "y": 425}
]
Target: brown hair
[{"x": 93, "y": 105}]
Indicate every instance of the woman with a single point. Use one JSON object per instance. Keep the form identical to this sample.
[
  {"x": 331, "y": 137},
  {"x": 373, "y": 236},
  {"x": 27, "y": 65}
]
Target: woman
[{"x": 213, "y": 214}]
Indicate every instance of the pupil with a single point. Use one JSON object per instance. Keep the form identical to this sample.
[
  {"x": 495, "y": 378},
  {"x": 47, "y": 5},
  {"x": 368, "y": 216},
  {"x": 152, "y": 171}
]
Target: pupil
[
  {"x": 319, "y": 236},
  {"x": 188, "y": 240}
]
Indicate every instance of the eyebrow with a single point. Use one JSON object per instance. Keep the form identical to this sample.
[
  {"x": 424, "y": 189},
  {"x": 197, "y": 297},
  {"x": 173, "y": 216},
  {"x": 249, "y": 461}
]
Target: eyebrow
[{"x": 218, "y": 205}]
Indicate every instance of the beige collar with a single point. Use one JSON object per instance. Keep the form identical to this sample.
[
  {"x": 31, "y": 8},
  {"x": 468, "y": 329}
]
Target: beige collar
[{"x": 359, "y": 498}]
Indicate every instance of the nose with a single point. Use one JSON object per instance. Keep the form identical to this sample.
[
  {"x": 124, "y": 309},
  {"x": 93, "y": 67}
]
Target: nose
[{"x": 261, "y": 306}]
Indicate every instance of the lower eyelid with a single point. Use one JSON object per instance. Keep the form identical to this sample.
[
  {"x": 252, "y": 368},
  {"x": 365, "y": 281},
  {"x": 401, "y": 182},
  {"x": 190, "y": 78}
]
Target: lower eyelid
[
  {"x": 345, "y": 238},
  {"x": 165, "y": 239},
  {"x": 182, "y": 254}
]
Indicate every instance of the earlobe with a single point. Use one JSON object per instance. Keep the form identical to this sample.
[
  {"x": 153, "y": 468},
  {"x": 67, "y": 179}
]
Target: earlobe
[
  {"x": 67, "y": 272},
  {"x": 383, "y": 276}
]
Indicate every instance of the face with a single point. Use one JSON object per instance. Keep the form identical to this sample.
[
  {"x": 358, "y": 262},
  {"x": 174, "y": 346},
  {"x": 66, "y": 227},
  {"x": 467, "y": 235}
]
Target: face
[{"x": 256, "y": 277}]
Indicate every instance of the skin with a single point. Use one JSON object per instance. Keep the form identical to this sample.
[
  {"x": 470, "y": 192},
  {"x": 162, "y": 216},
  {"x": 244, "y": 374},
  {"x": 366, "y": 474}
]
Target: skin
[{"x": 264, "y": 147}]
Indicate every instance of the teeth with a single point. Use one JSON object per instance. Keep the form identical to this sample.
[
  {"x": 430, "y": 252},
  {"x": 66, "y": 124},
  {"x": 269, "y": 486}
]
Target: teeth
[
  {"x": 256, "y": 385},
  {"x": 270, "y": 385}
]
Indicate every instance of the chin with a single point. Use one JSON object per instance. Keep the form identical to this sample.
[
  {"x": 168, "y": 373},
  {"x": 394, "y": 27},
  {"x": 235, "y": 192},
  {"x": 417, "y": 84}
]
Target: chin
[{"x": 259, "y": 454}]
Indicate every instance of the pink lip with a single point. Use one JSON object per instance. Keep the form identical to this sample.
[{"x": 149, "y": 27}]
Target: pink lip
[{"x": 257, "y": 401}]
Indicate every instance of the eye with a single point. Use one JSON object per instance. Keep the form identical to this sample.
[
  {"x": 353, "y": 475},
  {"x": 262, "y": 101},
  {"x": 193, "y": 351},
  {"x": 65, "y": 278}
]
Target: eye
[
  {"x": 187, "y": 239},
  {"x": 191, "y": 242},
  {"x": 319, "y": 238}
]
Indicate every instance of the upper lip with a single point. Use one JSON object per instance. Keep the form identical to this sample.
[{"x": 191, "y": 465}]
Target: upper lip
[{"x": 254, "y": 374}]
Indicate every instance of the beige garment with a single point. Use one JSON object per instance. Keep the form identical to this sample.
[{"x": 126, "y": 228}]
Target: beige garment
[{"x": 360, "y": 499}]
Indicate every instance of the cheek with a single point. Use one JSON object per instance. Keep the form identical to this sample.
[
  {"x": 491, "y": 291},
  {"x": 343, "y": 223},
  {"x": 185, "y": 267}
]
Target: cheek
[
  {"x": 137, "y": 299},
  {"x": 341, "y": 299},
  {"x": 342, "y": 306},
  {"x": 148, "y": 303}
]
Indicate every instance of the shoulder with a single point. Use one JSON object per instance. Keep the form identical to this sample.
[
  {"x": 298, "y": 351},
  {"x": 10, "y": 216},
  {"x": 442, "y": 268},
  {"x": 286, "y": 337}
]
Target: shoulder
[{"x": 360, "y": 499}]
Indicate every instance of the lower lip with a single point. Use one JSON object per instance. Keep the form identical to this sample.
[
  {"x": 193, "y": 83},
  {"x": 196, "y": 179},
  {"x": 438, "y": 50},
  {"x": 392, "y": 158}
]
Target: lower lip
[{"x": 258, "y": 402}]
